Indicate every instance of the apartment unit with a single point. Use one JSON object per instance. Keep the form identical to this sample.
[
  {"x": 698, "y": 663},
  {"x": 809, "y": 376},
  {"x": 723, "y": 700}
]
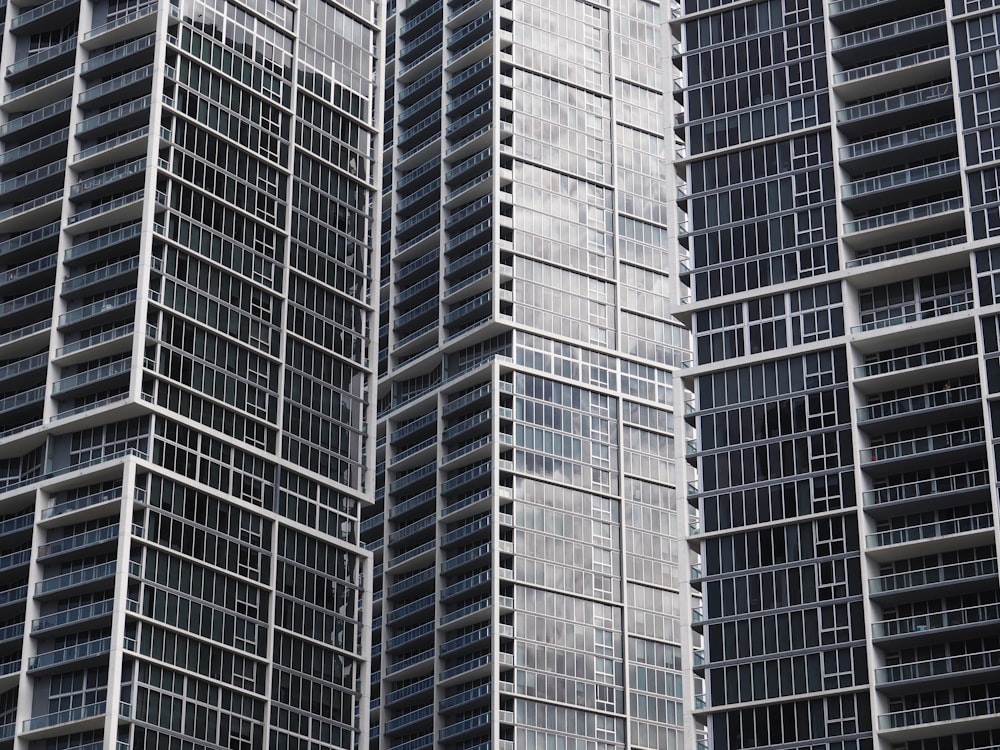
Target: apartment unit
[
  {"x": 186, "y": 263},
  {"x": 843, "y": 203},
  {"x": 526, "y": 526}
]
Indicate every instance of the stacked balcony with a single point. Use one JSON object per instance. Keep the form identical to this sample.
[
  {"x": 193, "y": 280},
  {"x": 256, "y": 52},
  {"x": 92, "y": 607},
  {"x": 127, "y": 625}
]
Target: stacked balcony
[
  {"x": 902, "y": 187},
  {"x": 929, "y": 527}
]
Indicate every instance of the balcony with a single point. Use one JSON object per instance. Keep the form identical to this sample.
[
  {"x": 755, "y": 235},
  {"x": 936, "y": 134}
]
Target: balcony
[
  {"x": 930, "y": 139},
  {"x": 925, "y": 356},
  {"x": 932, "y": 217},
  {"x": 893, "y": 65},
  {"x": 875, "y": 114},
  {"x": 124, "y": 117},
  {"x": 919, "y": 404},
  {"x": 121, "y": 210},
  {"x": 72, "y": 618},
  {"x": 94, "y": 711},
  {"x": 901, "y": 179},
  {"x": 75, "y": 653},
  {"x": 911, "y": 32},
  {"x": 80, "y": 541},
  {"x": 44, "y": 62},
  {"x": 76, "y": 579},
  {"x": 40, "y": 91},
  {"x": 40, "y": 150},
  {"x": 881, "y": 255},
  {"x": 956, "y": 714},
  {"x": 942, "y": 533},
  {"x": 921, "y": 446},
  {"x": 26, "y": 20},
  {"x": 943, "y": 575},
  {"x": 108, "y": 306},
  {"x": 139, "y": 22},
  {"x": 984, "y": 615}
]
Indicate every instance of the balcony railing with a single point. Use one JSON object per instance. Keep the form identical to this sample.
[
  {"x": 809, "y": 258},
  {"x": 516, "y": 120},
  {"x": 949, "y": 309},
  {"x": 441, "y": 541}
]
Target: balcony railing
[
  {"x": 917, "y": 359},
  {"x": 88, "y": 711},
  {"x": 952, "y": 618},
  {"x": 910, "y": 313},
  {"x": 900, "y": 178},
  {"x": 892, "y": 218},
  {"x": 898, "y": 63},
  {"x": 927, "y": 444},
  {"x": 930, "y": 576},
  {"x": 910, "y": 404},
  {"x": 74, "y": 615},
  {"x": 903, "y": 252},
  {"x": 934, "y": 714},
  {"x": 894, "y": 103},
  {"x": 892, "y": 30},
  {"x": 933, "y": 530}
]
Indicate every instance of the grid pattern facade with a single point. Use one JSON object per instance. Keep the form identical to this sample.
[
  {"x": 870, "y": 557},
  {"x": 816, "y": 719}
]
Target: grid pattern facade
[
  {"x": 525, "y": 528},
  {"x": 842, "y": 212},
  {"x": 186, "y": 255}
]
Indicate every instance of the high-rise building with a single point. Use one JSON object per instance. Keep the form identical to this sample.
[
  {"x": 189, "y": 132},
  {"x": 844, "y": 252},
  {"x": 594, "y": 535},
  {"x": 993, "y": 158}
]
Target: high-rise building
[
  {"x": 526, "y": 522},
  {"x": 843, "y": 205},
  {"x": 186, "y": 247}
]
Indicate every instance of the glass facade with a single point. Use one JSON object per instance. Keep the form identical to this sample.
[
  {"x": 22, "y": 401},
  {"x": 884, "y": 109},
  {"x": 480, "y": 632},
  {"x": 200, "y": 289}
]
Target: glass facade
[
  {"x": 187, "y": 231},
  {"x": 526, "y": 531},
  {"x": 840, "y": 194}
]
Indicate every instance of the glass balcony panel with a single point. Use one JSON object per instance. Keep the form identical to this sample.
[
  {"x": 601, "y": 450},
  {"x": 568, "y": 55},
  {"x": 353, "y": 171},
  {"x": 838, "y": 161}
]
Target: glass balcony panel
[
  {"x": 909, "y": 404},
  {"x": 35, "y": 175},
  {"x": 34, "y": 147},
  {"x": 35, "y": 61},
  {"x": 934, "y": 530},
  {"x": 76, "y": 578},
  {"x": 902, "y": 177},
  {"x": 983, "y": 613},
  {"x": 74, "y": 615},
  {"x": 929, "y": 576},
  {"x": 904, "y": 215},
  {"x": 892, "y": 30},
  {"x": 88, "y": 711},
  {"x": 70, "y": 653},
  {"x": 925, "y": 444},
  {"x": 887, "y": 66},
  {"x": 41, "y": 83},
  {"x": 934, "y": 714},
  {"x": 78, "y": 541},
  {"x": 33, "y": 14},
  {"x": 894, "y": 103}
]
